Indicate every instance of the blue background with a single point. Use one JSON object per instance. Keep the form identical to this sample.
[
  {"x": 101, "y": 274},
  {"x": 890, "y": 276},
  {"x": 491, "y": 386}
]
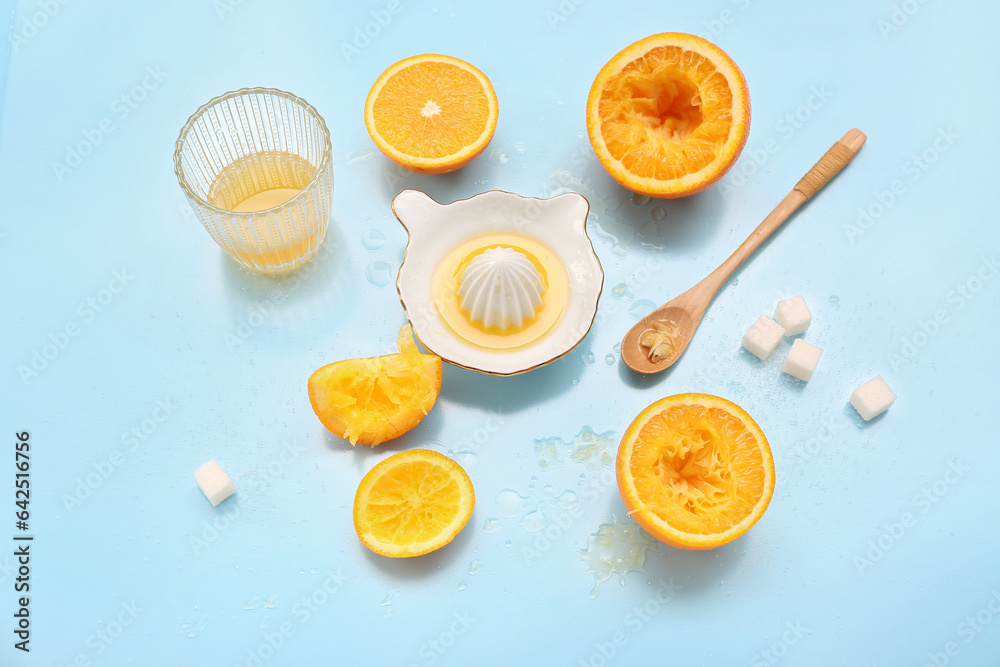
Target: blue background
[{"x": 229, "y": 352}]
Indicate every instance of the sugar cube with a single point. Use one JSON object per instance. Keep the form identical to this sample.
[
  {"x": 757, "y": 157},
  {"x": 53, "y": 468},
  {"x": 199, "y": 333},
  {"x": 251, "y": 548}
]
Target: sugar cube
[
  {"x": 801, "y": 360},
  {"x": 214, "y": 482},
  {"x": 763, "y": 337},
  {"x": 872, "y": 398},
  {"x": 793, "y": 314}
]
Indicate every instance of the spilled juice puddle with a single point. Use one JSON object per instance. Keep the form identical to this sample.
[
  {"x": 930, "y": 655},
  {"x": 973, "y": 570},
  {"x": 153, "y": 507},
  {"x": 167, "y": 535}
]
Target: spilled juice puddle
[
  {"x": 616, "y": 548},
  {"x": 590, "y": 448}
]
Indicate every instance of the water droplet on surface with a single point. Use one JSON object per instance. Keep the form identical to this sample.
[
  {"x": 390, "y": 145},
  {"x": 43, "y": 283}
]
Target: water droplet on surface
[
  {"x": 834, "y": 300},
  {"x": 576, "y": 381},
  {"x": 462, "y": 585},
  {"x": 467, "y": 458},
  {"x": 619, "y": 290},
  {"x": 639, "y": 200},
  {"x": 358, "y": 156},
  {"x": 475, "y": 567},
  {"x": 507, "y": 544},
  {"x": 372, "y": 239},
  {"x": 379, "y": 273},
  {"x": 657, "y": 213},
  {"x": 533, "y": 521},
  {"x": 520, "y": 148},
  {"x": 734, "y": 282},
  {"x": 270, "y": 603},
  {"x": 390, "y": 596},
  {"x": 491, "y": 526},
  {"x": 616, "y": 548},
  {"x": 588, "y": 357},
  {"x": 641, "y": 308},
  {"x": 568, "y": 500},
  {"x": 511, "y": 504},
  {"x": 610, "y": 360},
  {"x": 498, "y": 156},
  {"x": 193, "y": 629},
  {"x": 617, "y": 349},
  {"x": 250, "y": 604}
]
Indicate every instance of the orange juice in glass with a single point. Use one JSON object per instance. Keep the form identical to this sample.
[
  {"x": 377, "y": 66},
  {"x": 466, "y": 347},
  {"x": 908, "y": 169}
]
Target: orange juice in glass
[{"x": 256, "y": 166}]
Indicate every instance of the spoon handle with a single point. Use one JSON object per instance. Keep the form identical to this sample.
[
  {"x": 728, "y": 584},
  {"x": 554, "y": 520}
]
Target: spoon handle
[{"x": 826, "y": 168}]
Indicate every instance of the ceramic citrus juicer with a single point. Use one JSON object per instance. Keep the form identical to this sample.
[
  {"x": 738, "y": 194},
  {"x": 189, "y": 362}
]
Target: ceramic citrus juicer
[{"x": 498, "y": 283}]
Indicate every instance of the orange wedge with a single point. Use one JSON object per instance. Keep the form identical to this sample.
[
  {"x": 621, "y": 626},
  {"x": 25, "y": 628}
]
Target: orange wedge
[
  {"x": 412, "y": 503},
  {"x": 695, "y": 471},
  {"x": 431, "y": 113},
  {"x": 669, "y": 115},
  {"x": 377, "y": 399}
]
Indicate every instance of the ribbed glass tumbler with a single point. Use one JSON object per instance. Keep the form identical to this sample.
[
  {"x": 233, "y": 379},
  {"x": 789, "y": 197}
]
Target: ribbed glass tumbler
[{"x": 256, "y": 166}]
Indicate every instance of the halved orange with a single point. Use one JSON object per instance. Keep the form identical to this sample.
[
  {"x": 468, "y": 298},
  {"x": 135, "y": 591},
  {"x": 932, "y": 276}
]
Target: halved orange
[
  {"x": 669, "y": 115},
  {"x": 380, "y": 398},
  {"x": 695, "y": 471},
  {"x": 431, "y": 113},
  {"x": 412, "y": 503}
]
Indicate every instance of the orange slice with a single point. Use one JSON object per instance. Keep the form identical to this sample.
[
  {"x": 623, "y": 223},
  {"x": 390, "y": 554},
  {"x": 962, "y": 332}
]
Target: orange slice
[
  {"x": 669, "y": 115},
  {"x": 412, "y": 503},
  {"x": 695, "y": 471},
  {"x": 377, "y": 399},
  {"x": 431, "y": 113}
]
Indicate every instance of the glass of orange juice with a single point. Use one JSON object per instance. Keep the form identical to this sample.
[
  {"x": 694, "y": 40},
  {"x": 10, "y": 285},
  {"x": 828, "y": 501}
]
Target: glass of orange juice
[{"x": 257, "y": 166}]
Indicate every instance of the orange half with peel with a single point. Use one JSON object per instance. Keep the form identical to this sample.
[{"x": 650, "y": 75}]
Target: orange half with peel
[
  {"x": 412, "y": 503},
  {"x": 695, "y": 471},
  {"x": 669, "y": 115},
  {"x": 372, "y": 400},
  {"x": 431, "y": 113}
]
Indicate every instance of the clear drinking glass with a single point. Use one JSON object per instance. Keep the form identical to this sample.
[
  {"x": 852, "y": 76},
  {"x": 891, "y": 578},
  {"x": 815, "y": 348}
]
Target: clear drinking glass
[{"x": 256, "y": 166}]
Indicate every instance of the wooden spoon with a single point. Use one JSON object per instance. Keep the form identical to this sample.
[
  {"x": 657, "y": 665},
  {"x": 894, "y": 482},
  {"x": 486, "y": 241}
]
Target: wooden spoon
[{"x": 664, "y": 334}]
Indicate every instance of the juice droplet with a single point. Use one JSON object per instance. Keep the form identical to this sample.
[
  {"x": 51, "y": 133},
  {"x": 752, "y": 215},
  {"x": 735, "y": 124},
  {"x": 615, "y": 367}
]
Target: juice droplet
[
  {"x": 491, "y": 526},
  {"x": 641, "y": 308},
  {"x": 379, "y": 273},
  {"x": 639, "y": 200},
  {"x": 657, "y": 213},
  {"x": 619, "y": 290},
  {"x": 498, "y": 156},
  {"x": 616, "y": 548},
  {"x": 533, "y": 521},
  {"x": 372, "y": 239},
  {"x": 511, "y": 504}
]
